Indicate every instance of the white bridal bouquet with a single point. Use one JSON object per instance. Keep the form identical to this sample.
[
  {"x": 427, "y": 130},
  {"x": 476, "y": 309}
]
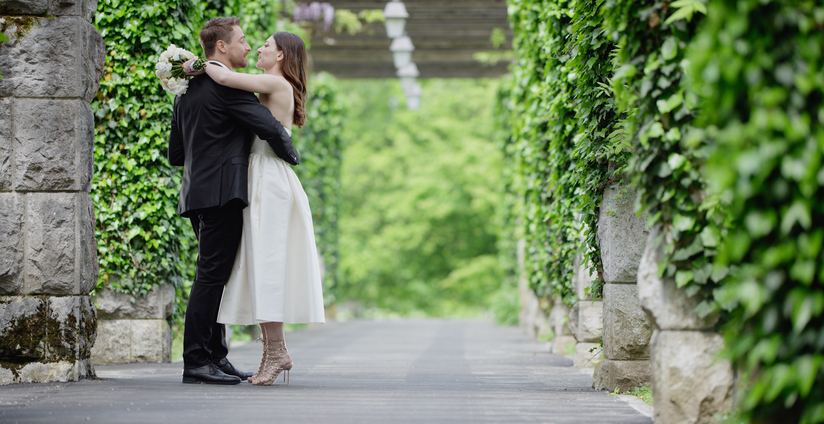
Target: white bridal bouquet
[{"x": 169, "y": 69}]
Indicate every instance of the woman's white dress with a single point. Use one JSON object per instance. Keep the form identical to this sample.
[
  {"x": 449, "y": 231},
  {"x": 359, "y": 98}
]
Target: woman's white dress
[{"x": 276, "y": 276}]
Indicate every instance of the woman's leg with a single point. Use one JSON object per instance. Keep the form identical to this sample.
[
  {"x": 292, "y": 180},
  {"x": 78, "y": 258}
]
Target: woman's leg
[{"x": 272, "y": 330}]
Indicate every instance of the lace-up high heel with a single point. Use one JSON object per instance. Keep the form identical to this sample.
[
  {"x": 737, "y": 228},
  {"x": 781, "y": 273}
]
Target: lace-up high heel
[
  {"x": 275, "y": 360},
  {"x": 262, "y": 360}
]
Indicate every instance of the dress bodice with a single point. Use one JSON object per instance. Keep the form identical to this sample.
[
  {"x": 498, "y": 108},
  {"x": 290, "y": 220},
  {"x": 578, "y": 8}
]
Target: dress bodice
[{"x": 261, "y": 147}]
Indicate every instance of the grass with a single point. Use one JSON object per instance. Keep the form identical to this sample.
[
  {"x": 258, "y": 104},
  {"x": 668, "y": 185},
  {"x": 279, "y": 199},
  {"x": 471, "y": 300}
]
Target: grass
[{"x": 643, "y": 392}]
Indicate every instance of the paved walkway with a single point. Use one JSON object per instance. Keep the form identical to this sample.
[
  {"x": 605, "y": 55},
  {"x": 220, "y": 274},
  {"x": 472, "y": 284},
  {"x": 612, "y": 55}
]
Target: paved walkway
[{"x": 408, "y": 371}]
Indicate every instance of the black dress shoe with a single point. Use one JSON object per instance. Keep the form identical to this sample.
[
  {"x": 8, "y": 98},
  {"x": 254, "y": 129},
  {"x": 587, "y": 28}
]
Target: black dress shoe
[
  {"x": 208, "y": 374},
  {"x": 227, "y": 367}
]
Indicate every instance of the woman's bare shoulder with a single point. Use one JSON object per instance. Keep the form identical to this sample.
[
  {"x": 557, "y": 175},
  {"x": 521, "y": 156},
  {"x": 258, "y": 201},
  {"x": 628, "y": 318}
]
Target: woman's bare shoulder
[{"x": 281, "y": 84}]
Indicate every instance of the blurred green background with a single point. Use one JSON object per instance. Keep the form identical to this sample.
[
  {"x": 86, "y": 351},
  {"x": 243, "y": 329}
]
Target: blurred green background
[{"x": 420, "y": 196}]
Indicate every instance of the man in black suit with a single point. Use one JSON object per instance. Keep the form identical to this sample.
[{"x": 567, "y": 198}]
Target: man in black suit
[{"x": 213, "y": 128}]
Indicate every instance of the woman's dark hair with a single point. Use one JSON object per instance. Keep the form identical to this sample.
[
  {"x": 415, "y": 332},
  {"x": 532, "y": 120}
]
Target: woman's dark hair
[{"x": 294, "y": 70}]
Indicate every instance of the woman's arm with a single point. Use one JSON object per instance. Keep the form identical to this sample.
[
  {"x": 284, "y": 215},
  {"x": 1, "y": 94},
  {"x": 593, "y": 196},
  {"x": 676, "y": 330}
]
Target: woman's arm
[{"x": 254, "y": 83}]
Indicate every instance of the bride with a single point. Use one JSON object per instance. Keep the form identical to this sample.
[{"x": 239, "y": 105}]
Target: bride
[{"x": 276, "y": 275}]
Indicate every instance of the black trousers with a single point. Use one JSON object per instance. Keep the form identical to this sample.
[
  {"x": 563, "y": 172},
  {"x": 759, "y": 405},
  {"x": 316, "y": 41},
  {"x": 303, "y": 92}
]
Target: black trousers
[{"x": 218, "y": 232}]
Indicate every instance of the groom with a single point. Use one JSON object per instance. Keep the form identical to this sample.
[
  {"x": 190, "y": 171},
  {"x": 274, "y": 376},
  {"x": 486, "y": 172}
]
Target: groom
[{"x": 212, "y": 132}]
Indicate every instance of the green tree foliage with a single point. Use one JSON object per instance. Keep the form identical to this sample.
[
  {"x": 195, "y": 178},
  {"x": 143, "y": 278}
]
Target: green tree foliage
[
  {"x": 759, "y": 67},
  {"x": 420, "y": 192}
]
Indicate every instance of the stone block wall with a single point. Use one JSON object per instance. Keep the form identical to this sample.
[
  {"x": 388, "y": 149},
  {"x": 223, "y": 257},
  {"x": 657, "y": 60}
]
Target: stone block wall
[
  {"x": 544, "y": 319},
  {"x": 50, "y": 69},
  {"x": 532, "y": 317},
  {"x": 563, "y": 342},
  {"x": 133, "y": 329},
  {"x": 690, "y": 383},
  {"x": 627, "y": 328},
  {"x": 586, "y": 319}
]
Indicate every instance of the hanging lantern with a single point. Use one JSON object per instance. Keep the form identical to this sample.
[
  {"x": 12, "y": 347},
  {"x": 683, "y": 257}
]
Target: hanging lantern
[
  {"x": 395, "y": 18},
  {"x": 401, "y": 49}
]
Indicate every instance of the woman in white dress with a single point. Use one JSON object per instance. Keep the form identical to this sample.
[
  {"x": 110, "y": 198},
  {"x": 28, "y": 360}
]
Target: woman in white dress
[{"x": 276, "y": 276}]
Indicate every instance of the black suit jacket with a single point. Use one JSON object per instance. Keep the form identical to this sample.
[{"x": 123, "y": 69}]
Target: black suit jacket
[{"x": 213, "y": 128}]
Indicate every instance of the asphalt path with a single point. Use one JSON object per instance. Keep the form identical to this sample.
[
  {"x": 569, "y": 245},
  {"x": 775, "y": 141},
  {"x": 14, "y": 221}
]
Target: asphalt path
[{"x": 403, "y": 371}]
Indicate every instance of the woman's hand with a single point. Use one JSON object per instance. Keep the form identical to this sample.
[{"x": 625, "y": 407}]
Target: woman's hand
[{"x": 187, "y": 68}]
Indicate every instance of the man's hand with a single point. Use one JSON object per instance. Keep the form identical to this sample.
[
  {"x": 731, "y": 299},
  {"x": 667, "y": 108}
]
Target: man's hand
[{"x": 187, "y": 68}]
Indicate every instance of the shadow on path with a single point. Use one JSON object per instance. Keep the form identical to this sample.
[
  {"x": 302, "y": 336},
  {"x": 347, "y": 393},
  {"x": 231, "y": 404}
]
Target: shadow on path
[{"x": 406, "y": 371}]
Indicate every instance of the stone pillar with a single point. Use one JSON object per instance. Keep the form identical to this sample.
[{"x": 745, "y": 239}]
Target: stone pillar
[
  {"x": 533, "y": 317},
  {"x": 563, "y": 342},
  {"x": 544, "y": 319},
  {"x": 585, "y": 319},
  {"x": 690, "y": 383},
  {"x": 627, "y": 328},
  {"x": 50, "y": 67},
  {"x": 133, "y": 329}
]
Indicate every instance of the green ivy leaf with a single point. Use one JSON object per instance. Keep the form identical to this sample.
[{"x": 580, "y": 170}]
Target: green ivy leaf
[
  {"x": 684, "y": 9},
  {"x": 807, "y": 305},
  {"x": 676, "y": 160},
  {"x": 683, "y": 222},
  {"x": 666, "y": 106},
  {"x": 670, "y": 47},
  {"x": 710, "y": 236},
  {"x": 706, "y": 308},
  {"x": 808, "y": 369},
  {"x": 803, "y": 271},
  {"x": 799, "y": 213},
  {"x": 683, "y": 277},
  {"x": 760, "y": 223}
]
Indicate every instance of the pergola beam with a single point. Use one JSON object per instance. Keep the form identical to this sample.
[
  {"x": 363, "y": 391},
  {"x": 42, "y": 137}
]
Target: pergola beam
[{"x": 446, "y": 35}]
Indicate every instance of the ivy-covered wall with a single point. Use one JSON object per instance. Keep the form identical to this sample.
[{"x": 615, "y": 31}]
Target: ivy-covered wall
[
  {"x": 142, "y": 242},
  {"x": 758, "y": 67},
  {"x": 712, "y": 113},
  {"x": 559, "y": 119}
]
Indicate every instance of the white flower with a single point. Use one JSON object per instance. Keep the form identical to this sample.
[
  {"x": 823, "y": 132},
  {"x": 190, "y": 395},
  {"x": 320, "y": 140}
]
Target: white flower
[
  {"x": 178, "y": 86},
  {"x": 163, "y": 74},
  {"x": 165, "y": 68},
  {"x": 186, "y": 55},
  {"x": 165, "y": 83}
]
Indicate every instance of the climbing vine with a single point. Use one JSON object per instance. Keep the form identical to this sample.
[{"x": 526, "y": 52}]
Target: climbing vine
[
  {"x": 538, "y": 120},
  {"x": 712, "y": 112},
  {"x": 560, "y": 117},
  {"x": 759, "y": 68},
  {"x": 141, "y": 242},
  {"x": 657, "y": 111}
]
